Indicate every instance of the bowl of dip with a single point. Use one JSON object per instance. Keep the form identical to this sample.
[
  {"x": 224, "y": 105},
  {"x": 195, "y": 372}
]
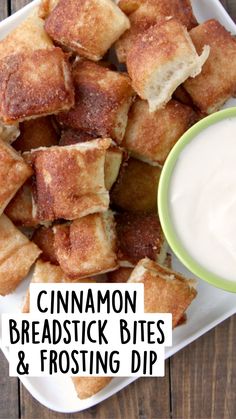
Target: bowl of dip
[{"x": 197, "y": 199}]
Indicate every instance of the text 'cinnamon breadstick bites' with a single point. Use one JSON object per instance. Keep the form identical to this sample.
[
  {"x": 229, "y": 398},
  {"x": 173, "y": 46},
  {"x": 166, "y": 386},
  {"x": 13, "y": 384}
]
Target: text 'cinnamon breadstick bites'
[
  {"x": 17, "y": 255},
  {"x": 161, "y": 59},
  {"x": 69, "y": 181},
  {"x": 217, "y": 81},
  {"x": 102, "y": 101},
  {"x": 165, "y": 291},
  {"x": 87, "y": 246},
  {"x": 87, "y": 27},
  {"x": 151, "y": 136},
  {"x": 147, "y": 13},
  {"x": 14, "y": 171},
  {"x": 34, "y": 84}
]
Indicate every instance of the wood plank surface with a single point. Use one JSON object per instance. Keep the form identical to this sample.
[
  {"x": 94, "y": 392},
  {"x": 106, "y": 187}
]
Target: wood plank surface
[{"x": 200, "y": 380}]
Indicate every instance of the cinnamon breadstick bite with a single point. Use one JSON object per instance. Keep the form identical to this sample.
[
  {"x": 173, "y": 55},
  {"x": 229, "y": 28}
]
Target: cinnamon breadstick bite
[
  {"x": 161, "y": 59},
  {"x": 217, "y": 81},
  {"x": 14, "y": 171},
  {"x": 87, "y": 246},
  {"x": 20, "y": 208},
  {"x": 151, "y": 136},
  {"x": 17, "y": 255},
  {"x": 102, "y": 101},
  {"x": 165, "y": 291},
  {"x": 139, "y": 236},
  {"x": 89, "y": 386},
  {"x": 34, "y": 83},
  {"x": 146, "y": 13},
  {"x": 86, "y": 27},
  {"x": 69, "y": 180}
]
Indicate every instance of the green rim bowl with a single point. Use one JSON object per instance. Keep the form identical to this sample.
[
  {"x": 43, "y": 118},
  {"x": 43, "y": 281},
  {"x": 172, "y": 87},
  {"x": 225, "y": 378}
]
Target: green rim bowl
[{"x": 163, "y": 202}]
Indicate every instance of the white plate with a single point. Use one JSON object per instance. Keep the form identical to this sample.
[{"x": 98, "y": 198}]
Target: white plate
[{"x": 211, "y": 306}]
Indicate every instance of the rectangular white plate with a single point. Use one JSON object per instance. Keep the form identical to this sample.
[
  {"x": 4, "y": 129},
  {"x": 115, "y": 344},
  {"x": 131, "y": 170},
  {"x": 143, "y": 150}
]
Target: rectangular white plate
[{"x": 211, "y": 306}]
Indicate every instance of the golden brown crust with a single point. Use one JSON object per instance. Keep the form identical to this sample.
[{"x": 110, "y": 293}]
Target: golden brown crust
[
  {"x": 17, "y": 255},
  {"x": 87, "y": 27},
  {"x": 13, "y": 173},
  {"x": 139, "y": 236},
  {"x": 29, "y": 36},
  {"x": 89, "y": 386},
  {"x": 36, "y": 133},
  {"x": 148, "y": 13},
  {"x": 34, "y": 84},
  {"x": 121, "y": 275},
  {"x": 87, "y": 246},
  {"x": 151, "y": 136},
  {"x": 102, "y": 101},
  {"x": 44, "y": 238},
  {"x": 136, "y": 187},
  {"x": 69, "y": 180},
  {"x": 20, "y": 209},
  {"x": 165, "y": 291},
  {"x": 217, "y": 81}
]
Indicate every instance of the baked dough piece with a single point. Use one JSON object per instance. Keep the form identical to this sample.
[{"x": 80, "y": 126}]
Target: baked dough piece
[
  {"x": 161, "y": 59},
  {"x": 40, "y": 132},
  {"x": 102, "y": 101},
  {"x": 151, "y": 136},
  {"x": 87, "y": 246},
  {"x": 147, "y": 13},
  {"x": 217, "y": 82},
  {"x": 20, "y": 209},
  {"x": 29, "y": 36},
  {"x": 165, "y": 291},
  {"x": 44, "y": 238},
  {"x": 87, "y": 27},
  {"x": 13, "y": 173},
  {"x": 9, "y": 133},
  {"x": 46, "y": 272},
  {"x": 34, "y": 84},
  {"x": 89, "y": 386},
  {"x": 139, "y": 236},
  {"x": 17, "y": 255},
  {"x": 69, "y": 180},
  {"x": 136, "y": 187}
]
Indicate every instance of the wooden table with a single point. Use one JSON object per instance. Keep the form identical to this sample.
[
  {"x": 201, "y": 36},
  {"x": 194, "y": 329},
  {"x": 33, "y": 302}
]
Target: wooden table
[{"x": 200, "y": 380}]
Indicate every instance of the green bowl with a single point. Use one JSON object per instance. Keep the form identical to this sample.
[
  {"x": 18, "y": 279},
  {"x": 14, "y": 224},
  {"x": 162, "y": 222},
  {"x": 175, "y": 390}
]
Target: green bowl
[{"x": 163, "y": 203}]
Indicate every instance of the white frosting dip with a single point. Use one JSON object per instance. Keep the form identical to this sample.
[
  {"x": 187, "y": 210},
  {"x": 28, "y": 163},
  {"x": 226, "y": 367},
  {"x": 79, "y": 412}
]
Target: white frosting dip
[{"x": 203, "y": 198}]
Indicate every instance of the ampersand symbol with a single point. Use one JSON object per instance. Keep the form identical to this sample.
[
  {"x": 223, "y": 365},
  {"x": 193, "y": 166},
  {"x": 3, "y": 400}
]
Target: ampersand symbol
[{"x": 22, "y": 368}]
